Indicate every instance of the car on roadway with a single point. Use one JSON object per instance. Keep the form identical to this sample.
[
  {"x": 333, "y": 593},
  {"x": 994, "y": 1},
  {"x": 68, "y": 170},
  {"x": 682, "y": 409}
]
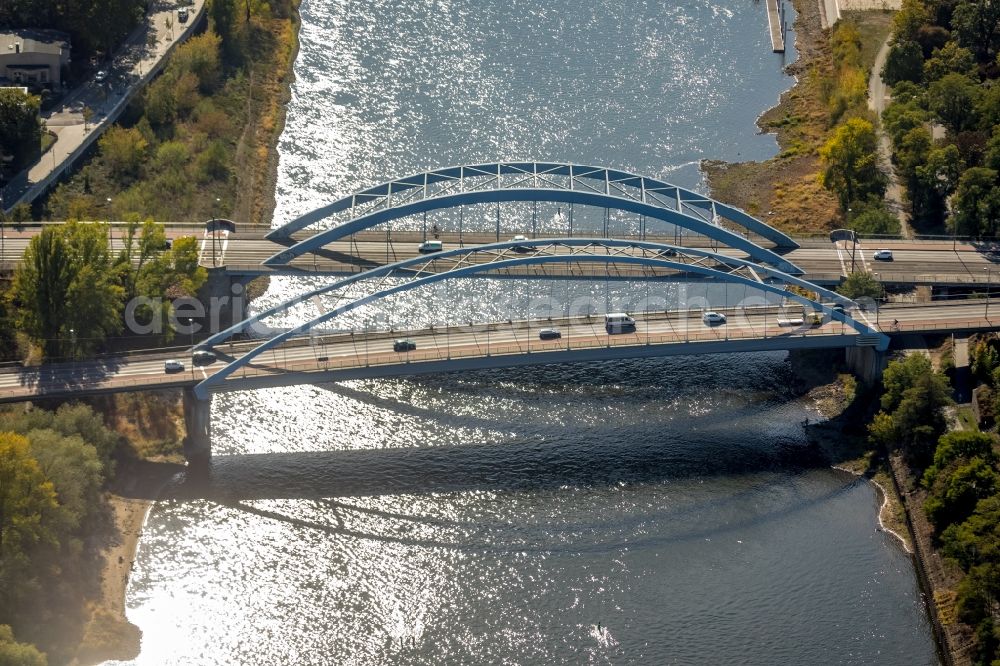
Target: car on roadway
[
  {"x": 882, "y": 255},
  {"x": 101, "y": 76},
  {"x": 549, "y": 334},
  {"x": 403, "y": 345},
  {"x": 669, "y": 252},
  {"x": 619, "y": 322},
  {"x": 182, "y": 14},
  {"x": 711, "y": 318},
  {"x": 522, "y": 249},
  {"x": 429, "y": 246},
  {"x": 172, "y": 366},
  {"x": 203, "y": 357}
]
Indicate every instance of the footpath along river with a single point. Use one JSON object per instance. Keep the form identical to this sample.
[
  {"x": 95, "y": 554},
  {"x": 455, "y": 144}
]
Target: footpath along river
[{"x": 652, "y": 512}]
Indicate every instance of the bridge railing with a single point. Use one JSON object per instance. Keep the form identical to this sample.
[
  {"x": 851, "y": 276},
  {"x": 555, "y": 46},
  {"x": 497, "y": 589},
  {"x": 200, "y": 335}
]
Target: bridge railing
[{"x": 362, "y": 356}]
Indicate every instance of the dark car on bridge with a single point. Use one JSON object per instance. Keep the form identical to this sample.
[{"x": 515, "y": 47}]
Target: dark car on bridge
[
  {"x": 549, "y": 334},
  {"x": 403, "y": 345},
  {"x": 203, "y": 357}
]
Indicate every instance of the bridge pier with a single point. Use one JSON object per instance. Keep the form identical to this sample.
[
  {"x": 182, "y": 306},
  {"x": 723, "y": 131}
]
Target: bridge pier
[
  {"x": 223, "y": 301},
  {"x": 866, "y": 362},
  {"x": 198, "y": 424}
]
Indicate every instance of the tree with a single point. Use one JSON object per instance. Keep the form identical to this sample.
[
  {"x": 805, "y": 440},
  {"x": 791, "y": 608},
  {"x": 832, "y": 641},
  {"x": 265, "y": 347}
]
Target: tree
[
  {"x": 198, "y": 56},
  {"x": 850, "y": 160},
  {"x": 900, "y": 118},
  {"x": 957, "y": 489},
  {"x": 20, "y": 127},
  {"x": 41, "y": 284},
  {"x": 861, "y": 285},
  {"x": 941, "y": 171},
  {"x": 950, "y": 58},
  {"x": 66, "y": 290},
  {"x": 76, "y": 473},
  {"x": 908, "y": 21},
  {"x": 875, "y": 220},
  {"x": 13, "y": 653},
  {"x": 123, "y": 150},
  {"x": 976, "y": 203},
  {"x": 900, "y": 375},
  {"x": 904, "y": 62},
  {"x": 953, "y": 99},
  {"x": 963, "y": 444},
  {"x": 27, "y": 503},
  {"x": 976, "y": 23}
]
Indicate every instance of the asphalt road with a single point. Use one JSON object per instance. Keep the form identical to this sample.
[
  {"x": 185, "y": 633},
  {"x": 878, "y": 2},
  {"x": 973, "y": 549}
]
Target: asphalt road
[
  {"x": 346, "y": 351},
  {"x": 915, "y": 262}
]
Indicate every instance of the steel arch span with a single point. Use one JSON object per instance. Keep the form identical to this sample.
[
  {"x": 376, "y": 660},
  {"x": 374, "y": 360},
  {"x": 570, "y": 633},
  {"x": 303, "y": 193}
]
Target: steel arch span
[
  {"x": 203, "y": 388},
  {"x": 543, "y": 180},
  {"x": 581, "y": 248}
]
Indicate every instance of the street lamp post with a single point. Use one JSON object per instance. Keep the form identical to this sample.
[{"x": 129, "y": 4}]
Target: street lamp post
[
  {"x": 109, "y": 224},
  {"x": 989, "y": 291},
  {"x": 878, "y": 299},
  {"x": 72, "y": 344},
  {"x": 215, "y": 207}
]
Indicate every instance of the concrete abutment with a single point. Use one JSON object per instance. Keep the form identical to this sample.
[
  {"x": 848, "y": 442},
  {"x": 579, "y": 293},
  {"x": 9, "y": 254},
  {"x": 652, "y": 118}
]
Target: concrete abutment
[
  {"x": 866, "y": 362},
  {"x": 198, "y": 426}
]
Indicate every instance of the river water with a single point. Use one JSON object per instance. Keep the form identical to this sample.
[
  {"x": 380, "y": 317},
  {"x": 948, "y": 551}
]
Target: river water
[{"x": 665, "y": 511}]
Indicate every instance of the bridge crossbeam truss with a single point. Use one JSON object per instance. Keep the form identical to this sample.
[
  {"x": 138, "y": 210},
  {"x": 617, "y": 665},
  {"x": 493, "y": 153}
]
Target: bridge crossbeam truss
[
  {"x": 526, "y": 181},
  {"x": 509, "y": 256}
]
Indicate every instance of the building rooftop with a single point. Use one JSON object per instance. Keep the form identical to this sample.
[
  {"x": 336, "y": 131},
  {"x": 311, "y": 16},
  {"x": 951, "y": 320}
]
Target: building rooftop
[{"x": 34, "y": 41}]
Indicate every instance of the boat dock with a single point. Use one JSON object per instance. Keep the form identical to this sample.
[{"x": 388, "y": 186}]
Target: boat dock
[{"x": 776, "y": 23}]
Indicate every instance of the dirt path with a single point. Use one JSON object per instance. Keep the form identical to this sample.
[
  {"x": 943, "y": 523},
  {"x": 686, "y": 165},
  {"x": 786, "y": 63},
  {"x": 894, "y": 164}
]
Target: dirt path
[{"x": 878, "y": 97}]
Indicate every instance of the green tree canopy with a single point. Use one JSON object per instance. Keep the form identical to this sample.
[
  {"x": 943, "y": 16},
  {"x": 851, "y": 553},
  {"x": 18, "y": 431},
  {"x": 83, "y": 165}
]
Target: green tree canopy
[
  {"x": 976, "y": 203},
  {"x": 850, "y": 163},
  {"x": 20, "y": 127},
  {"x": 66, "y": 291},
  {"x": 861, "y": 285},
  {"x": 13, "y": 653},
  {"x": 953, "y": 99},
  {"x": 904, "y": 62},
  {"x": 27, "y": 506},
  {"x": 976, "y": 23},
  {"x": 957, "y": 489},
  {"x": 960, "y": 444},
  {"x": 123, "y": 151},
  {"x": 950, "y": 58}
]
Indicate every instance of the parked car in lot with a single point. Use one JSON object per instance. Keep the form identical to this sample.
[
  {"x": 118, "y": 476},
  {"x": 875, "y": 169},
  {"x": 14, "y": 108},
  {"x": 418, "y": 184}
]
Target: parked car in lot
[
  {"x": 172, "y": 366},
  {"x": 203, "y": 357},
  {"x": 429, "y": 246},
  {"x": 882, "y": 255},
  {"x": 549, "y": 334},
  {"x": 101, "y": 76},
  {"x": 182, "y": 14},
  {"x": 403, "y": 345},
  {"x": 712, "y": 318}
]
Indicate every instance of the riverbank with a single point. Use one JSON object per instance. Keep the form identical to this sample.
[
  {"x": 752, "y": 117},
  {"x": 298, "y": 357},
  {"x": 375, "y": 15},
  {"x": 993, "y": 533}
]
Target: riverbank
[
  {"x": 850, "y": 452},
  {"x": 785, "y": 190}
]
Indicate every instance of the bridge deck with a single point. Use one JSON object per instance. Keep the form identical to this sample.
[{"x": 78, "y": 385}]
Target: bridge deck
[
  {"x": 920, "y": 262},
  {"x": 492, "y": 345}
]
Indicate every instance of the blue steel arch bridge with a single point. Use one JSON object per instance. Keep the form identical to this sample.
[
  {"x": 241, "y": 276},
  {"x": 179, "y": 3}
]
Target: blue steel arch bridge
[
  {"x": 788, "y": 313},
  {"x": 599, "y": 188}
]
